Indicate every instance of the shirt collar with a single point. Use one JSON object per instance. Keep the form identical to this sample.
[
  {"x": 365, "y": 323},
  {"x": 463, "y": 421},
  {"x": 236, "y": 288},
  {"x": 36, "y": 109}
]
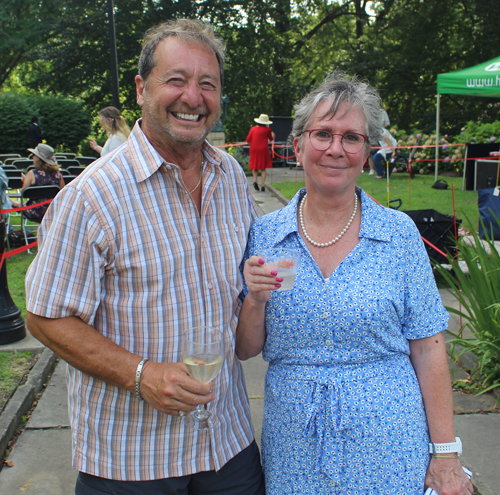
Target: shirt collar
[
  {"x": 146, "y": 160},
  {"x": 374, "y": 218}
]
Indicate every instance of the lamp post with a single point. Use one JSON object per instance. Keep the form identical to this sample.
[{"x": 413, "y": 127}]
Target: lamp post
[
  {"x": 114, "y": 57},
  {"x": 12, "y": 326}
]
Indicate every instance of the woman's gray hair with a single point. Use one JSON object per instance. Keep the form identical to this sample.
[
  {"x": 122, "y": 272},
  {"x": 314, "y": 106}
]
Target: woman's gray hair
[
  {"x": 188, "y": 30},
  {"x": 338, "y": 88}
]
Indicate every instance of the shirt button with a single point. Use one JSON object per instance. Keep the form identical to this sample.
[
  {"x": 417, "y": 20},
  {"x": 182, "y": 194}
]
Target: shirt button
[
  {"x": 329, "y": 342},
  {"x": 325, "y": 315},
  {"x": 210, "y": 286},
  {"x": 236, "y": 228}
]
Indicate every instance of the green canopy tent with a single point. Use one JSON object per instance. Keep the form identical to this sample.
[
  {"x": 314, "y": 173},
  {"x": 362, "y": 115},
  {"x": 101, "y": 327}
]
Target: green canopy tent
[{"x": 480, "y": 80}]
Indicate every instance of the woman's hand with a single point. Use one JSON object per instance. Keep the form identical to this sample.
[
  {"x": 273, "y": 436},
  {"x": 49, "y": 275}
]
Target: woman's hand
[
  {"x": 95, "y": 146},
  {"x": 260, "y": 280},
  {"x": 446, "y": 476}
]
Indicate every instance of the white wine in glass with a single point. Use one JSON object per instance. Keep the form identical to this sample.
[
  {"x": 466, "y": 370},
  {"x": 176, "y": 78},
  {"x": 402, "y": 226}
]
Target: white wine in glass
[{"x": 203, "y": 354}]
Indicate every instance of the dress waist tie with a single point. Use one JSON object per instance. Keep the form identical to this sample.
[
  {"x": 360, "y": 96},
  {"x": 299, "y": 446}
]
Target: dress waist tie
[{"x": 325, "y": 418}]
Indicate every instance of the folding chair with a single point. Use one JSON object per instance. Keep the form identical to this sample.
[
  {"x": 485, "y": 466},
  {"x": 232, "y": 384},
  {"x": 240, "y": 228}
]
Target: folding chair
[
  {"x": 13, "y": 192},
  {"x": 75, "y": 170},
  {"x": 9, "y": 161},
  {"x": 22, "y": 163},
  {"x": 13, "y": 173},
  {"x": 68, "y": 156},
  {"x": 69, "y": 178},
  {"x": 86, "y": 160},
  {"x": 65, "y": 163},
  {"x": 34, "y": 193},
  {"x": 5, "y": 156}
]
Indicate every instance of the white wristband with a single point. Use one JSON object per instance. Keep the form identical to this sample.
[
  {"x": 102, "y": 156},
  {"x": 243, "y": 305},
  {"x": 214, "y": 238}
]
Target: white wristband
[
  {"x": 138, "y": 374},
  {"x": 446, "y": 448}
]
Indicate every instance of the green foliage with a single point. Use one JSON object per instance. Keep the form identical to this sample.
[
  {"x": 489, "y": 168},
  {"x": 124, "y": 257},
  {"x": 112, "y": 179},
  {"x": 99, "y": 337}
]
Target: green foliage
[
  {"x": 477, "y": 288},
  {"x": 237, "y": 153},
  {"x": 277, "y": 50},
  {"x": 476, "y": 132},
  {"x": 15, "y": 118},
  {"x": 64, "y": 121}
]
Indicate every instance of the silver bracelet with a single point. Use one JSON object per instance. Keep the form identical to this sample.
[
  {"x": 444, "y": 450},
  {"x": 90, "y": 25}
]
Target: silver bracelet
[{"x": 138, "y": 374}]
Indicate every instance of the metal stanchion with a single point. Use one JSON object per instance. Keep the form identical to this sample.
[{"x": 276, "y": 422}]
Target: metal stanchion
[{"x": 12, "y": 327}]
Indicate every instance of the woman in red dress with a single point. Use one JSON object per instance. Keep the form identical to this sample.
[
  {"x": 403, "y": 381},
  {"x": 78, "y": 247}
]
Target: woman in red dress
[{"x": 260, "y": 158}]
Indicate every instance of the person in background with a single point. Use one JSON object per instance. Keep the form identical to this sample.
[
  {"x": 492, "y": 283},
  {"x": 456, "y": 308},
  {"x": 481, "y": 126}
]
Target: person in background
[
  {"x": 357, "y": 393},
  {"x": 260, "y": 158},
  {"x": 35, "y": 133},
  {"x": 5, "y": 201},
  {"x": 384, "y": 153},
  {"x": 45, "y": 173},
  {"x": 115, "y": 126},
  {"x": 143, "y": 245},
  {"x": 385, "y": 123}
]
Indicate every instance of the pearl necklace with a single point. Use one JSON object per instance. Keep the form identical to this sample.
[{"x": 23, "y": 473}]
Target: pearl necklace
[
  {"x": 199, "y": 182},
  {"x": 325, "y": 244}
]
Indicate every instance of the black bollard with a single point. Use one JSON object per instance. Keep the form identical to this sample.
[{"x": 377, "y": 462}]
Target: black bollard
[{"x": 12, "y": 327}]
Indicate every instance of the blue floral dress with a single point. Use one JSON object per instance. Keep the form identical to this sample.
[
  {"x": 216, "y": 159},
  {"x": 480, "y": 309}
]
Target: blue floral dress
[{"x": 343, "y": 412}]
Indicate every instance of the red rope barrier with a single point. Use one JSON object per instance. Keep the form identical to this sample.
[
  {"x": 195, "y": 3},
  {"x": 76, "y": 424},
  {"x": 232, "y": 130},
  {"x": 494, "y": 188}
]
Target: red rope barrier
[
  {"x": 13, "y": 252},
  {"x": 276, "y": 154}
]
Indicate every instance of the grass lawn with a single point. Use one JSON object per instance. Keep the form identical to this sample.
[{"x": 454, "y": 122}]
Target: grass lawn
[
  {"x": 13, "y": 365},
  {"x": 421, "y": 196}
]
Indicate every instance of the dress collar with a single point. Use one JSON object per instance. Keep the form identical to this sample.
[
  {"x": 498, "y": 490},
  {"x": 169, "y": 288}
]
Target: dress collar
[{"x": 374, "y": 218}]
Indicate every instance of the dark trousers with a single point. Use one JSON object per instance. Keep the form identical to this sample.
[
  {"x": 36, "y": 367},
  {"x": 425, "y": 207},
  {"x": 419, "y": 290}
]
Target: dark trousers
[{"x": 242, "y": 475}]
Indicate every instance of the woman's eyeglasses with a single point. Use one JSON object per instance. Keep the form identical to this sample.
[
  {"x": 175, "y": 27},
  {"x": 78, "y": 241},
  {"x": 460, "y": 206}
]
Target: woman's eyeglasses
[{"x": 322, "y": 139}]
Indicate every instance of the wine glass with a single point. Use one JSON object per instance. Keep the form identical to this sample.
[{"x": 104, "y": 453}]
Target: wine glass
[{"x": 203, "y": 354}]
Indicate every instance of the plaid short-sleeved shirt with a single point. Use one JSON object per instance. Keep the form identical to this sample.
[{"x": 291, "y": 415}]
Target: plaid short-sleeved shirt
[{"x": 124, "y": 248}]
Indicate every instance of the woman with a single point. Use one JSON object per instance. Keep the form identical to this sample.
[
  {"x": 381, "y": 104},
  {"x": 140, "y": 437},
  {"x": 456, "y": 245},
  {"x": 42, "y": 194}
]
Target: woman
[
  {"x": 117, "y": 129},
  {"x": 260, "y": 158},
  {"x": 354, "y": 348},
  {"x": 46, "y": 172},
  {"x": 384, "y": 153}
]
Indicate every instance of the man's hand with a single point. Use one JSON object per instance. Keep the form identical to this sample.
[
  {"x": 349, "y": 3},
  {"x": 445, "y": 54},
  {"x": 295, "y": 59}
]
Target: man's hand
[{"x": 169, "y": 388}]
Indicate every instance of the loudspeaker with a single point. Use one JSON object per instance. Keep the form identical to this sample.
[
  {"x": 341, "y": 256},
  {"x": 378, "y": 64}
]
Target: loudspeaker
[{"x": 476, "y": 151}]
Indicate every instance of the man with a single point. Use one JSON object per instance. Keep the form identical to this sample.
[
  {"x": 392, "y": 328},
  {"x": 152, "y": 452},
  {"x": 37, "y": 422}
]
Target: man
[
  {"x": 35, "y": 133},
  {"x": 143, "y": 245}
]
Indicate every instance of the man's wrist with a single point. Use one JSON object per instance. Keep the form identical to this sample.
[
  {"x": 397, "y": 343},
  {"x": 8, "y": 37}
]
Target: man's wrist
[{"x": 138, "y": 374}]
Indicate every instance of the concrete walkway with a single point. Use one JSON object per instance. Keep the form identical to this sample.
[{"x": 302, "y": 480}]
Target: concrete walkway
[{"x": 42, "y": 455}]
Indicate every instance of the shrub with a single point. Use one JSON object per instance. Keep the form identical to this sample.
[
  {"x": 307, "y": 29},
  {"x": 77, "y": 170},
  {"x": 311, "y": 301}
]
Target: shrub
[
  {"x": 64, "y": 121},
  {"x": 15, "y": 118},
  {"x": 477, "y": 288}
]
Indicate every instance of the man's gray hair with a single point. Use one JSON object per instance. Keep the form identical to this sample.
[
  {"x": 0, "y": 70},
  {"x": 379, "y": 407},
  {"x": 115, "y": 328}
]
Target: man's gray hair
[
  {"x": 188, "y": 30},
  {"x": 338, "y": 88}
]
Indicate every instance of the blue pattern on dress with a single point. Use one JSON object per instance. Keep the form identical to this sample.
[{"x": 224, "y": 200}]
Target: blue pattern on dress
[{"x": 343, "y": 413}]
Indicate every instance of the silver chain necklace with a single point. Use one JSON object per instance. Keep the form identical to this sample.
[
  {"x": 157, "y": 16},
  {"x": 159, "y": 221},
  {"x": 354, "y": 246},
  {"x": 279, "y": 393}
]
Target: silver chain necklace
[{"x": 325, "y": 244}]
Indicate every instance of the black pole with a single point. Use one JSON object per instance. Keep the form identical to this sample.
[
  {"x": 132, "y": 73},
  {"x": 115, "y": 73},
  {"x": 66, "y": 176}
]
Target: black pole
[
  {"x": 12, "y": 326},
  {"x": 114, "y": 57}
]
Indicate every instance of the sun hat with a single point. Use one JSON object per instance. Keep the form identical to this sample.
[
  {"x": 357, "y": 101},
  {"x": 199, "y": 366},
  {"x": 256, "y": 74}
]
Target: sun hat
[
  {"x": 44, "y": 152},
  {"x": 263, "y": 119}
]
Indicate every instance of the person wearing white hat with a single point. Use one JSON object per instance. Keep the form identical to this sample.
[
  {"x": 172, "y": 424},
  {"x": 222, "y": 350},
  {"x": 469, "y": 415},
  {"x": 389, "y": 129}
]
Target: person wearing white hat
[
  {"x": 260, "y": 158},
  {"x": 46, "y": 172}
]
